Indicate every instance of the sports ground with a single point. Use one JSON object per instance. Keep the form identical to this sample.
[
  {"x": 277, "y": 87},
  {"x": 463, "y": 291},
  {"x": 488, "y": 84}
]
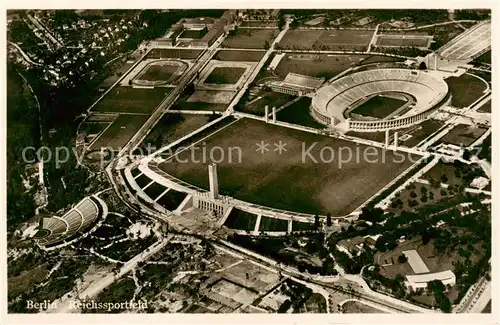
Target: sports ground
[
  {"x": 378, "y": 106},
  {"x": 327, "y": 39},
  {"x": 225, "y": 75},
  {"x": 124, "y": 99},
  {"x": 119, "y": 132},
  {"x": 463, "y": 134},
  {"x": 239, "y": 55},
  {"x": 403, "y": 41},
  {"x": 173, "y": 54},
  {"x": 250, "y": 38},
  {"x": 290, "y": 180}
]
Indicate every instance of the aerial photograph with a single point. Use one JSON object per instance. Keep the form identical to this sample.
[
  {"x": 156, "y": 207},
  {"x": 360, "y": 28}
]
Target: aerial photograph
[{"x": 248, "y": 161}]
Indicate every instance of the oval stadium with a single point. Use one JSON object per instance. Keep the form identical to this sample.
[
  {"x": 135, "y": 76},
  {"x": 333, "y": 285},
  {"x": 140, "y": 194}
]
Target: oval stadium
[{"x": 423, "y": 91}]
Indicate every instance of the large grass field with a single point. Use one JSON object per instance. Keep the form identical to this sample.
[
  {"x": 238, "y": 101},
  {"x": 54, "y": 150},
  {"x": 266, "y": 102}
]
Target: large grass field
[
  {"x": 159, "y": 72},
  {"x": 241, "y": 220},
  {"x": 123, "y": 99},
  {"x": 193, "y": 33},
  {"x": 291, "y": 180},
  {"x": 484, "y": 58},
  {"x": 257, "y": 106},
  {"x": 378, "y": 106},
  {"x": 173, "y": 54},
  {"x": 402, "y": 40},
  {"x": 463, "y": 134},
  {"x": 354, "y": 307},
  {"x": 299, "y": 113},
  {"x": 225, "y": 75},
  {"x": 317, "y": 65},
  {"x": 235, "y": 55},
  {"x": 318, "y": 39},
  {"x": 246, "y": 38},
  {"x": 465, "y": 90},
  {"x": 273, "y": 224},
  {"x": 120, "y": 132},
  {"x": 486, "y": 108},
  {"x": 173, "y": 126},
  {"x": 451, "y": 174}
]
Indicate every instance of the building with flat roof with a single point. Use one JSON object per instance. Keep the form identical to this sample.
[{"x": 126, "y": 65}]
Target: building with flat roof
[
  {"x": 296, "y": 84},
  {"x": 420, "y": 281},
  {"x": 417, "y": 264}
]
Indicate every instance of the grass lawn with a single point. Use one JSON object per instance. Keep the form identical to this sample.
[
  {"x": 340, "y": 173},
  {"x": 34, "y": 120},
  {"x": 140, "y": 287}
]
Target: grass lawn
[
  {"x": 450, "y": 174},
  {"x": 420, "y": 131},
  {"x": 402, "y": 40},
  {"x": 317, "y": 65},
  {"x": 132, "y": 100},
  {"x": 244, "y": 38},
  {"x": 225, "y": 75},
  {"x": 143, "y": 180},
  {"x": 463, "y": 134},
  {"x": 486, "y": 108},
  {"x": 156, "y": 72},
  {"x": 173, "y": 54},
  {"x": 190, "y": 33},
  {"x": 465, "y": 90},
  {"x": 172, "y": 199},
  {"x": 120, "y": 132},
  {"x": 290, "y": 180},
  {"x": 93, "y": 127},
  {"x": 319, "y": 39},
  {"x": 273, "y": 224},
  {"x": 298, "y": 113},
  {"x": 378, "y": 106},
  {"x": 245, "y": 56},
  {"x": 173, "y": 126},
  {"x": 438, "y": 194},
  {"x": 379, "y": 58},
  {"x": 154, "y": 190},
  {"x": 257, "y": 107},
  {"x": 316, "y": 304},
  {"x": 484, "y": 58},
  {"x": 198, "y": 106},
  {"x": 241, "y": 220}
]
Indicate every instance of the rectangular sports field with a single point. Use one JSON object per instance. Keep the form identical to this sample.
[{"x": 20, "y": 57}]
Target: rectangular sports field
[
  {"x": 299, "y": 113},
  {"x": 318, "y": 39},
  {"x": 120, "y": 131},
  {"x": 237, "y": 55},
  {"x": 317, "y": 65},
  {"x": 124, "y": 99},
  {"x": 378, "y": 106},
  {"x": 225, "y": 75},
  {"x": 246, "y": 38},
  {"x": 173, "y": 54},
  {"x": 463, "y": 134},
  {"x": 486, "y": 108},
  {"x": 302, "y": 178},
  {"x": 403, "y": 40}
]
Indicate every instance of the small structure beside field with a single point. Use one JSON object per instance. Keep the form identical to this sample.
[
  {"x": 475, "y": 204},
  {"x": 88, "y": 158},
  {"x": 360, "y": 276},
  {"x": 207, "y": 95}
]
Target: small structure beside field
[{"x": 422, "y": 273}]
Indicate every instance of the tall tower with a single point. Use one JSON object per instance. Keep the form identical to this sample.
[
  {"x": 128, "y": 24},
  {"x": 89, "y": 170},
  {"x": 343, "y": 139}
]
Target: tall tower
[
  {"x": 213, "y": 181},
  {"x": 266, "y": 113},
  {"x": 396, "y": 139},
  {"x": 387, "y": 138},
  {"x": 274, "y": 114}
]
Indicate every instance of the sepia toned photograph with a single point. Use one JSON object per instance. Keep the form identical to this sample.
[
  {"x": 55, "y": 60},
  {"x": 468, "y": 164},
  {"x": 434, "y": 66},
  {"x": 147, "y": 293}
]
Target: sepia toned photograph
[{"x": 248, "y": 161}]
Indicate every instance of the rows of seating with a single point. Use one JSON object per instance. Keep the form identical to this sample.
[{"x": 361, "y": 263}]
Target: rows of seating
[
  {"x": 335, "y": 98},
  {"x": 79, "y": 217}
]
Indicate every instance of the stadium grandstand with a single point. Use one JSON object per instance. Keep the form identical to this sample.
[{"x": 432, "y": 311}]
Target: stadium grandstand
[
  {"x": 56, "y": 229},
  {"x": 296, "y": 84},
  {"x": 330, "y": 103},
  {"x": 468, "y": 45}
]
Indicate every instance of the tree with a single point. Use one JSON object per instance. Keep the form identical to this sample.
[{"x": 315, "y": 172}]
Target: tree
[
  {"x": 402, "y": 258},
  {"x": 422, "y": 66},
  {"x": 281, "y": 21},
  {"x": 329, "y": 219},
  {"x": 316, "y": 222}
]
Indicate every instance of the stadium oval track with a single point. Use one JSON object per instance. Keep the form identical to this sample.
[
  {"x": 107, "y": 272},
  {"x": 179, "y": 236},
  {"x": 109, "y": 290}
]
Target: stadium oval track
[{"x": 330, "y": 102}]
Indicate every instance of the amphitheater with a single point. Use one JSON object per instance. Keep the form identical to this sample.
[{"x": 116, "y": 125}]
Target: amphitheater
[
  {"x": 330, "y": 103},
  {"x": 173, "y": 67},
  {"x": 56, "y": 229}
]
